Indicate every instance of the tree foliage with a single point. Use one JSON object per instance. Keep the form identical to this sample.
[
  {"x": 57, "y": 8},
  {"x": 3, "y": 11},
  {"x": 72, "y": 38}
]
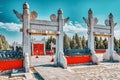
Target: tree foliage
[
  {"x": 80, "y": 42},
  {"x": 48, "y": 42},
  {"x": 3, "y": 43},
  {"x": 66, "y": 41}
]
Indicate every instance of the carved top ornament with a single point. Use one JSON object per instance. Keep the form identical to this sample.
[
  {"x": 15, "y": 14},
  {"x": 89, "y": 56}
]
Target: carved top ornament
[
  {"x": 33, "y": 15},
  {"x": 110, "y": 22},
  {"x": 90, "y": 11},
  {"x": 25, "y": 5},
  {"x": 90, "y": 21},
  {"x": 95, "y": 20},
  {"x": 19, "y": 16},
  {"x": 53, "y": 18},
  {"x": 110, "y": 16},
  {"x": 107, "y": 22},
  {"x": 60, "y": 11},
  {"x": 66, "y": 19}
]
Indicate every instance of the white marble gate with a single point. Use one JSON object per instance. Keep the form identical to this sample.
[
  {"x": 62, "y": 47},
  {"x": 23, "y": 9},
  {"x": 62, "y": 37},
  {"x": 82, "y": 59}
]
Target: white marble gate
[
  {"x": 106, "y": 30},
  {"x": 31, "y": 26}
]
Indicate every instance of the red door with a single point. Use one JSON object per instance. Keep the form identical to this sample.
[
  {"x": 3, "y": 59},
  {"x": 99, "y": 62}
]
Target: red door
[{"x": 38, "y": 49}]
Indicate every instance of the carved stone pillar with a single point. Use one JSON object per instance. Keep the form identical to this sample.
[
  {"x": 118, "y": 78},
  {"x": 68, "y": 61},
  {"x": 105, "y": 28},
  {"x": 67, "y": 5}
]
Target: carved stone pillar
[
  {"x": 91, "y": 22},
  {"x": 111, "y": 22},
  {"x": 59, "y": 57},
  {"x": 110, "y": 54},
  {"x": 26, "y": 37}
]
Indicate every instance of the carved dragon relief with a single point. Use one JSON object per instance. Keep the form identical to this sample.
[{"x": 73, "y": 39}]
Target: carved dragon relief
[
  {"x": 18, "y": 15},
  {"x": 95, "y": 20},
  {"x": 55, "y": 19},
  {"x": 107, "y": 22},
  {"x": 110, "y": 22},
  {"x": 33, "y": 15},
  {"x": 90, "y": 21},
  {"x": 65, "y": 20}
]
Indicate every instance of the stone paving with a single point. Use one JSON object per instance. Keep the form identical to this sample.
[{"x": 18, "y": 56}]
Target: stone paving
[{"x": 104, "y": 71}]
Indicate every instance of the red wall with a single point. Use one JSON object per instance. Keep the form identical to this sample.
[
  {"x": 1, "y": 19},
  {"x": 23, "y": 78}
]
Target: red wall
[
  {"x": 81, "y": 59},
  {"x": 49, "y": 53},
  {"x": 78, "y": 59},
  {"x": 38, "y": 49},
  {"x": 100, "y": 51},
  {"x": 11, "y": 64}
]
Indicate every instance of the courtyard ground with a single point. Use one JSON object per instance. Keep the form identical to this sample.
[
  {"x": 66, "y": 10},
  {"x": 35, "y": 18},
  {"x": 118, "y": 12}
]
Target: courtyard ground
[{"x": 104, "y": 71}]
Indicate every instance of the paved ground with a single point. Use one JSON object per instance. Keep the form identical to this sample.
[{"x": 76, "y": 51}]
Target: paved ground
[
  {"x": 104, "y": 71},
  {"x": 33, "y": 75}
]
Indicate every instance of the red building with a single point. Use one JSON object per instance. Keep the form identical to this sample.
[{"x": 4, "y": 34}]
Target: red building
[{"x": 38, "y": 48}]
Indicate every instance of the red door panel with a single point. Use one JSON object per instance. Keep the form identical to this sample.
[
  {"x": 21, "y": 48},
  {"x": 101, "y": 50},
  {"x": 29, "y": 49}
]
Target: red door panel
[{"x": 38, "y": 49}]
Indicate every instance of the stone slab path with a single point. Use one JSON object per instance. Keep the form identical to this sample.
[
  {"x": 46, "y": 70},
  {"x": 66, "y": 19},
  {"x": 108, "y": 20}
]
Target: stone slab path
[{"x": 104, "y": 71}]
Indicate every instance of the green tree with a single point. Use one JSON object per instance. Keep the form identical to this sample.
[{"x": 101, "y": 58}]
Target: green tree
[
  {"x": 105, "y": 42},
  {"x": 3, "y": 43},
  {"x": 76, "y": 38},
  {"x": 96, "y": 42},
  {"x": 66, "y": 42},
  {"x": 100, "y": 44},
  {"x": 80, "y": 43},
  {"x": 48, "y": 42},
  {"x": 83, "y": 42},
  {"x": 53, "y": 40},
  {"x": 119, "y": 43},
  {"x": 77, "y": 41},
  {"x": 116, "y": 43},
  {"x": 73, "y": 43}
]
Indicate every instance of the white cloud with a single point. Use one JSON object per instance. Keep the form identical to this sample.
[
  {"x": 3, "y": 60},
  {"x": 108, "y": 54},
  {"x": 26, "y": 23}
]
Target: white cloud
[
  {"x": 71, "y": 28},
  {"x": 117, "y": 34},
  {"x": 117, "y": 31},
  {"x": 11, "y": 26}
]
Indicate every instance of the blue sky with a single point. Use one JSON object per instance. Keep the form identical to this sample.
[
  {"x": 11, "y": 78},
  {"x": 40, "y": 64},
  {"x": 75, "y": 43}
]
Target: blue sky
[{"x": 75, "y": 9}]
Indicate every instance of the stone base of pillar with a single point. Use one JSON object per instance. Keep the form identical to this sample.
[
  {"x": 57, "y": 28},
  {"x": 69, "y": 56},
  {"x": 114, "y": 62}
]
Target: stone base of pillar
[
  {"x": 94, "y": 58},
  {"x": 113, "y": 56},
  {"x": 27, "y": 69},
  {"x": 61, "y": 61},
  {"x": 27, "y": 63},
  {"x": 56, "y": 60},
  {"x": 106, "y": 56}
]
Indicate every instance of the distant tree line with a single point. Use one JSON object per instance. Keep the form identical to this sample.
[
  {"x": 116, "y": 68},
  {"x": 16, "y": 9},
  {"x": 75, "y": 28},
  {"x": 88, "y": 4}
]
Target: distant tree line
[
  {"x": 48, "y": 42},
  {"x": 3, "y": 43},
  {"x": 80, "y": 42},
  {"x": 74, "y": 42}
]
